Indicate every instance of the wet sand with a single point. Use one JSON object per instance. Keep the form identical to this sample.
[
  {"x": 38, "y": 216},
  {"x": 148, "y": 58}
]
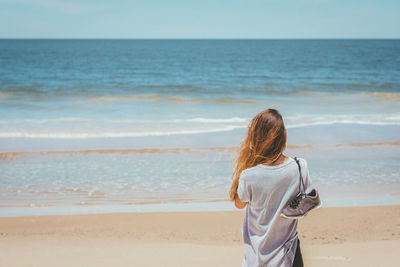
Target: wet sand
[{"x": 15, "y": 155}]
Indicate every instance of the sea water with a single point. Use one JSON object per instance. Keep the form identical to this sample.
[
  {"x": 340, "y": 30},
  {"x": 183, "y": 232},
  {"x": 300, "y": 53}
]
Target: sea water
[{"x": 110, "y": 125}]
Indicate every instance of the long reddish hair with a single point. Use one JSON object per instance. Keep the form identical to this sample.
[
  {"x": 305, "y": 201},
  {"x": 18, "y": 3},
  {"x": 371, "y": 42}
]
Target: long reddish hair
[{"x": 264, "y": 144}]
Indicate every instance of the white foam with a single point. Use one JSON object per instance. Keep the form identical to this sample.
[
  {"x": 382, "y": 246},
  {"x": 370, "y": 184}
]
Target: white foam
[
  {"x": 306, "y": 120},
  {"x": 212, "y": 120},
  {"x": 357, "y": 122},
  {"x": 188, "y": 126},
  {"x": 78, "y": 119},
  {"x": 103, "y": 134}
]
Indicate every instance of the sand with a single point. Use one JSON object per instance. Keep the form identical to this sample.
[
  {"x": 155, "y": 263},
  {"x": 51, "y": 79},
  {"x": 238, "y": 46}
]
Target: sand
[{"x": 353, "y": 236}]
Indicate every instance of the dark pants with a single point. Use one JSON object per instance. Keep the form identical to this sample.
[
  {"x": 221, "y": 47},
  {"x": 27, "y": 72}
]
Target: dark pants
[{"x": 298, "y": 259}]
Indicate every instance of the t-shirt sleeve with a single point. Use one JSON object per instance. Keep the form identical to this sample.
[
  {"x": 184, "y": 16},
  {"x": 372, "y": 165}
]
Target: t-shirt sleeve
[{"x": 244, "y": 190}]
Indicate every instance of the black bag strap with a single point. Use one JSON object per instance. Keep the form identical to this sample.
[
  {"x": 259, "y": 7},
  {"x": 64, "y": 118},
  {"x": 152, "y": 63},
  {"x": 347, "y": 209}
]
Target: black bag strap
[{"x": 301, "y": 176}]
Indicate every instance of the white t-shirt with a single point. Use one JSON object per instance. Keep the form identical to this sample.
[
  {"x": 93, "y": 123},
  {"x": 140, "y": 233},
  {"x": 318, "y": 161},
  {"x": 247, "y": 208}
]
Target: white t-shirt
[{"x": 269, "y": 239}]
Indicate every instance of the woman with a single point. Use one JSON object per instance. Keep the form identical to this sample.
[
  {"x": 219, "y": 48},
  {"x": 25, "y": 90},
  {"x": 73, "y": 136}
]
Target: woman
[{"x": 265, "y": 180}]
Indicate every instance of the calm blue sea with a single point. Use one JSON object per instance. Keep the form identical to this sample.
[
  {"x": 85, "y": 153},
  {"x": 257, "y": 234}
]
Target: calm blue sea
[{"x": 157, "y": 121}]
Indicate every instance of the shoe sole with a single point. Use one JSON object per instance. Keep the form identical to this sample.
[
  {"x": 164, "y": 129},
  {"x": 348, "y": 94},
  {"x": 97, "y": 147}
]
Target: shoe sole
[{"x": 301, "y": 216}]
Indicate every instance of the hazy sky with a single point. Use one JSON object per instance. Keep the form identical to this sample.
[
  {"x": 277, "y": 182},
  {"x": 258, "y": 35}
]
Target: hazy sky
[{"x": 200, "y": 19}]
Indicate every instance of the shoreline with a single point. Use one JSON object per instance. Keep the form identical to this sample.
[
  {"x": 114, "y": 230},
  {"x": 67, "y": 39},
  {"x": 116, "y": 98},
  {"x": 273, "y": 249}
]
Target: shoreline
[
  {"x": 14, "y": 155},
  {"x": 175, "y": 206},
  {"x": 351, "y": 236}
]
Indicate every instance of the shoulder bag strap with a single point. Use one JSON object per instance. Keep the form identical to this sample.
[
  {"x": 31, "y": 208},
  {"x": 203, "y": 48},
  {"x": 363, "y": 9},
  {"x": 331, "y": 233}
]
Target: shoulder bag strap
[{"x": 301, "y": 183}]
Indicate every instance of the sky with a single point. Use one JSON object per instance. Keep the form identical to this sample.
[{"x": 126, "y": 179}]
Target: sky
[{"x": 200, "y": 19}]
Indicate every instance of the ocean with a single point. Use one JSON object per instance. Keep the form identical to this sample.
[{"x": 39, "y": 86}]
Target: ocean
[{"x": 154, "y": 125}]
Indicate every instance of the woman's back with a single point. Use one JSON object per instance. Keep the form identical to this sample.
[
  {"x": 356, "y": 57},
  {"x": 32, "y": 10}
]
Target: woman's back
[{"x": 269, "y": 239}]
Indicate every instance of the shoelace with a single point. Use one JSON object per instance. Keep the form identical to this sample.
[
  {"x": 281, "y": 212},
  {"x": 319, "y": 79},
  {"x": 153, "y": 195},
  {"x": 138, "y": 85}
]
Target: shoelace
[{"x": 296, "y": 201}]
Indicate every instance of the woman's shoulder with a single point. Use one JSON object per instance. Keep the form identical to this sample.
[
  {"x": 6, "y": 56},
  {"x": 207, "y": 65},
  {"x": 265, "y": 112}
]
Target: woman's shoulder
[
  {"x": 302, "y": 161},
  {"x": 249, "y": 172},
  {"x": 261, "y": 169}
]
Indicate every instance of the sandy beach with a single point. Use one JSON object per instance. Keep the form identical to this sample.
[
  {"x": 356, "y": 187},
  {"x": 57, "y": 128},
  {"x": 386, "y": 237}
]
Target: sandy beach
[{"x": 351, "y": 236}]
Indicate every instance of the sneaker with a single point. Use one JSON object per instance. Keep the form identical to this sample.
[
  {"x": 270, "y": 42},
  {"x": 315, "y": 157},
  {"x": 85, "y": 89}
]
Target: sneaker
[{"x": 301, "y": 205}]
